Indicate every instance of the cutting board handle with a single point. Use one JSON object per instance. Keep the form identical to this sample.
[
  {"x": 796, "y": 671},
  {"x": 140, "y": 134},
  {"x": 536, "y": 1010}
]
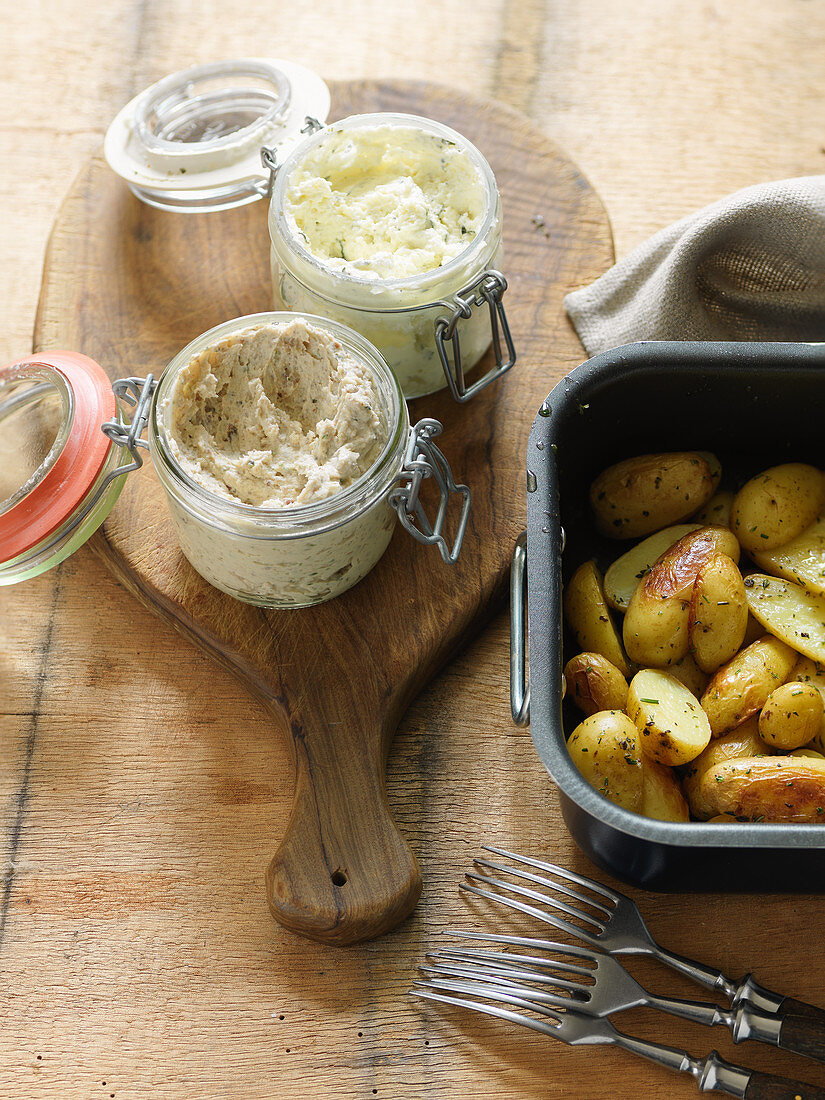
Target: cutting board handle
[{"x": 343, "y": 873}]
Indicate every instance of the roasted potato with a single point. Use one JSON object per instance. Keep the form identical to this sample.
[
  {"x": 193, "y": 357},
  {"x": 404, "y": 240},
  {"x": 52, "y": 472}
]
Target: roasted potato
[
  {"x": 801, "y": 560},
  {"x": 740, "y": 688},
  {"x": 589, "y": 616},
  {"x": 717, "y": 511},
  {"x": 809, "y": 672},
  {"x": 604, "y": 747},
  {"x": 594, "y": 684},
  {"x": 777, "y": 505},
  {"x": 789, "y": 612},
  {"x": 688, "y": 673},
  {"x": 662, "y": 796},
  {"x": 807, "y": 754},
  {"x": 655, "y": 628},
  {"x": 624, "y": 574},
  {"x": 766, "y": 788},
  {"x": 673, "y": 727},
  {"x": 642, "y": 495},
  {"x": 740, "y": 742},
  {"x": 718, "y": 614},
  {"x": 792, "y": 716}
]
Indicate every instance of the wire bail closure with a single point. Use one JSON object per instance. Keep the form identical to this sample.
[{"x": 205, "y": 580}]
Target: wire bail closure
[
  {"x": 489, "y": 288},
  {"x": 137, "y": 393},
  {"x": 422, "y": 459},
  {"x": 268, "y": 153}
]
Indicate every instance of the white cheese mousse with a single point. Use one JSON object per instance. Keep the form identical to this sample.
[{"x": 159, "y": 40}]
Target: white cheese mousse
[
  {"x": 277, "y": 416},
  {"x": 277, "y": 439},
  {"x": 385, "y": 202}
]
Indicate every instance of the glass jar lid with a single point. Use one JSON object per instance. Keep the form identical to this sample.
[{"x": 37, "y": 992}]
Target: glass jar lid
[
  {"x": 52, "y": 448},
  {"x": 193, "y": 141}
]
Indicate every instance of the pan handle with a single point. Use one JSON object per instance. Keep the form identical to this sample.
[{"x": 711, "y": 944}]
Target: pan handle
[{"x": 519, "y": 683}]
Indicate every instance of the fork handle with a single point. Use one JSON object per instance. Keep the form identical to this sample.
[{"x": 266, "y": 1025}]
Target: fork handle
[
  {"x": 764, "y": 1086},
  {"x": 792, "y": 1007},
  {"x": 803, "y": 1035},
  {"x": 714, "y": 1074}
]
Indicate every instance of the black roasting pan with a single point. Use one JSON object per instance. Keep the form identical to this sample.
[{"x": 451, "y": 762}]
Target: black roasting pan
[{"x": 754, "y": 405}]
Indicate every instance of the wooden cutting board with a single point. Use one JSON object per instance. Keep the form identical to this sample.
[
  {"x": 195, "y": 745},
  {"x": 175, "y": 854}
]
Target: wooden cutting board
[{"x": 129, "y": 286}]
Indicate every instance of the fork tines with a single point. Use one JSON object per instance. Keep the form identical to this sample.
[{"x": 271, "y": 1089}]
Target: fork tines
[
  {"x": 545, "y": 1027},
  {"x": 541, "y": 903}
]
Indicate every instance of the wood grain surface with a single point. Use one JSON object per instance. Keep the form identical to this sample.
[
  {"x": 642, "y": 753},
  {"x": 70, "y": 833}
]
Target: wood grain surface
[
  {"x": 131, "y": 285},
  {"x": 142, "y": 790}
]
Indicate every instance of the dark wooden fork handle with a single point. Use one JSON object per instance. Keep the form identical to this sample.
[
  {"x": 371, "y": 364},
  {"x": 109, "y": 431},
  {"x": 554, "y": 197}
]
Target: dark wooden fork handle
[
  {"x": 804, "y": 1034},
  {"x": 764, "y": 1086},
  {"x": 791, "y": 1007}
]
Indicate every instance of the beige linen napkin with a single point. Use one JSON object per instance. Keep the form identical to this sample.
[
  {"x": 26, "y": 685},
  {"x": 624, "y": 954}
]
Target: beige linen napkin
[{"x": 749, "y": 267}]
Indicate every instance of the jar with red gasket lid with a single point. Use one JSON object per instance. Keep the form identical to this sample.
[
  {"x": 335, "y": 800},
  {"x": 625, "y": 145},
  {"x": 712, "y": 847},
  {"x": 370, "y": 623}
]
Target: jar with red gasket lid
[
  {"x": 67, "y": 443},
  {"x": 59, "y": 473}
]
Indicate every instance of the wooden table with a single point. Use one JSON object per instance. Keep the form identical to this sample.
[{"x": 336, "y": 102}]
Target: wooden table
[{"x": 141, "y": 789}]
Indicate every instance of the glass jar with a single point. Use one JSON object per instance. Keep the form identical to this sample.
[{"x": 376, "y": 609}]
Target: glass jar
[
  {"x": 286, "y": 557},
  {"x": 192, "y": 141},
  {"x": 59, "y": 474},
  {"x": 411, "y": 320},
  {"x": 228, "y": 133},
  {"x": 62, "y": 444}
]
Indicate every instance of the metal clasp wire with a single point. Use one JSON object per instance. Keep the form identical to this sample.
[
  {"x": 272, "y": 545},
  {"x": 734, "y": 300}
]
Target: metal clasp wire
[
  {"x": 488, "y": 287},
  {"x": 138, "y": 393},
  {"x": 268, "y": 152},
  {"x": 422, "y": 459}
]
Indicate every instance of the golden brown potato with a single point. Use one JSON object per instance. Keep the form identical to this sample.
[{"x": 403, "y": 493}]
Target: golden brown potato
[
  {"x": 801, "y": 560},
  {"x": 722, "y": 819},
  {"x": 792, "y": 716},
  {"x": 777, "y": 505},
  {"x": 594, "y": 684},
  {"x": 689, "y": 674},
  {"x": 604, "y": 747},
  {"x": 673, "y": 727},
  {"x": 589, "y": 616},
  {"x": 655, "y": 627},
  {"x": 767, "y": 788},
  {"x": 718, "y": 614},
  {"x": 807, "y": 754},
  {"x": 789, "y": 612},
  {"x": 644, "y": 494},
  {"x": 740, "y": 688},
  {"x": 717, "y": 510},
  {"x": 624, "y": 574},
  {"x": 809, "y": 672},
  {"x": 740, "y": 742},
  {"x": 662, "y": 796}
]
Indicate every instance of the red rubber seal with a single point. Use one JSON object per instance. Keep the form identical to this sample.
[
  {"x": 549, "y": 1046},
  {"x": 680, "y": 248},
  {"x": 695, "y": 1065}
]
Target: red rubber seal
[{"x": 64, "y": 486}]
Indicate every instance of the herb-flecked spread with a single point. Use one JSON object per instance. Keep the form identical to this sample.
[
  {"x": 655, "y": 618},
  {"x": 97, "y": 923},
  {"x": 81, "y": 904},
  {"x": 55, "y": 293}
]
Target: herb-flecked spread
[
  {"x": 387, "y": 202},
  {"x": 276, "y": 416}
]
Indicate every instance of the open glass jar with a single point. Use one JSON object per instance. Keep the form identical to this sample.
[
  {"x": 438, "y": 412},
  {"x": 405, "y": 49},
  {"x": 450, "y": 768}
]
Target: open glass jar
[
  {"x": 59, "y": 473},
  {"x": 221, "y": 135},
  {"x": 60, "y": 423},
  {"x": 412, "y": 319}
]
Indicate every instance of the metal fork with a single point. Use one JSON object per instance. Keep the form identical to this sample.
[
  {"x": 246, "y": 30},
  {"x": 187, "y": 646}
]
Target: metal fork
[
  {"x": 611, "y": 922},
  {"x": 710, "y": 1073},
  {"x": 592, "y": 983}
]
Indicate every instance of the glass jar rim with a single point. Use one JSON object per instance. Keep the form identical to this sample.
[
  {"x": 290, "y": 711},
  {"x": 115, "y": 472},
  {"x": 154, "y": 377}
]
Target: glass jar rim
[
  {"x": 87, "y": 402},
  {"x": 158, "y": 100},
  {"x": 395, "y": 120},
  {"x": 363, "y": 492}
]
